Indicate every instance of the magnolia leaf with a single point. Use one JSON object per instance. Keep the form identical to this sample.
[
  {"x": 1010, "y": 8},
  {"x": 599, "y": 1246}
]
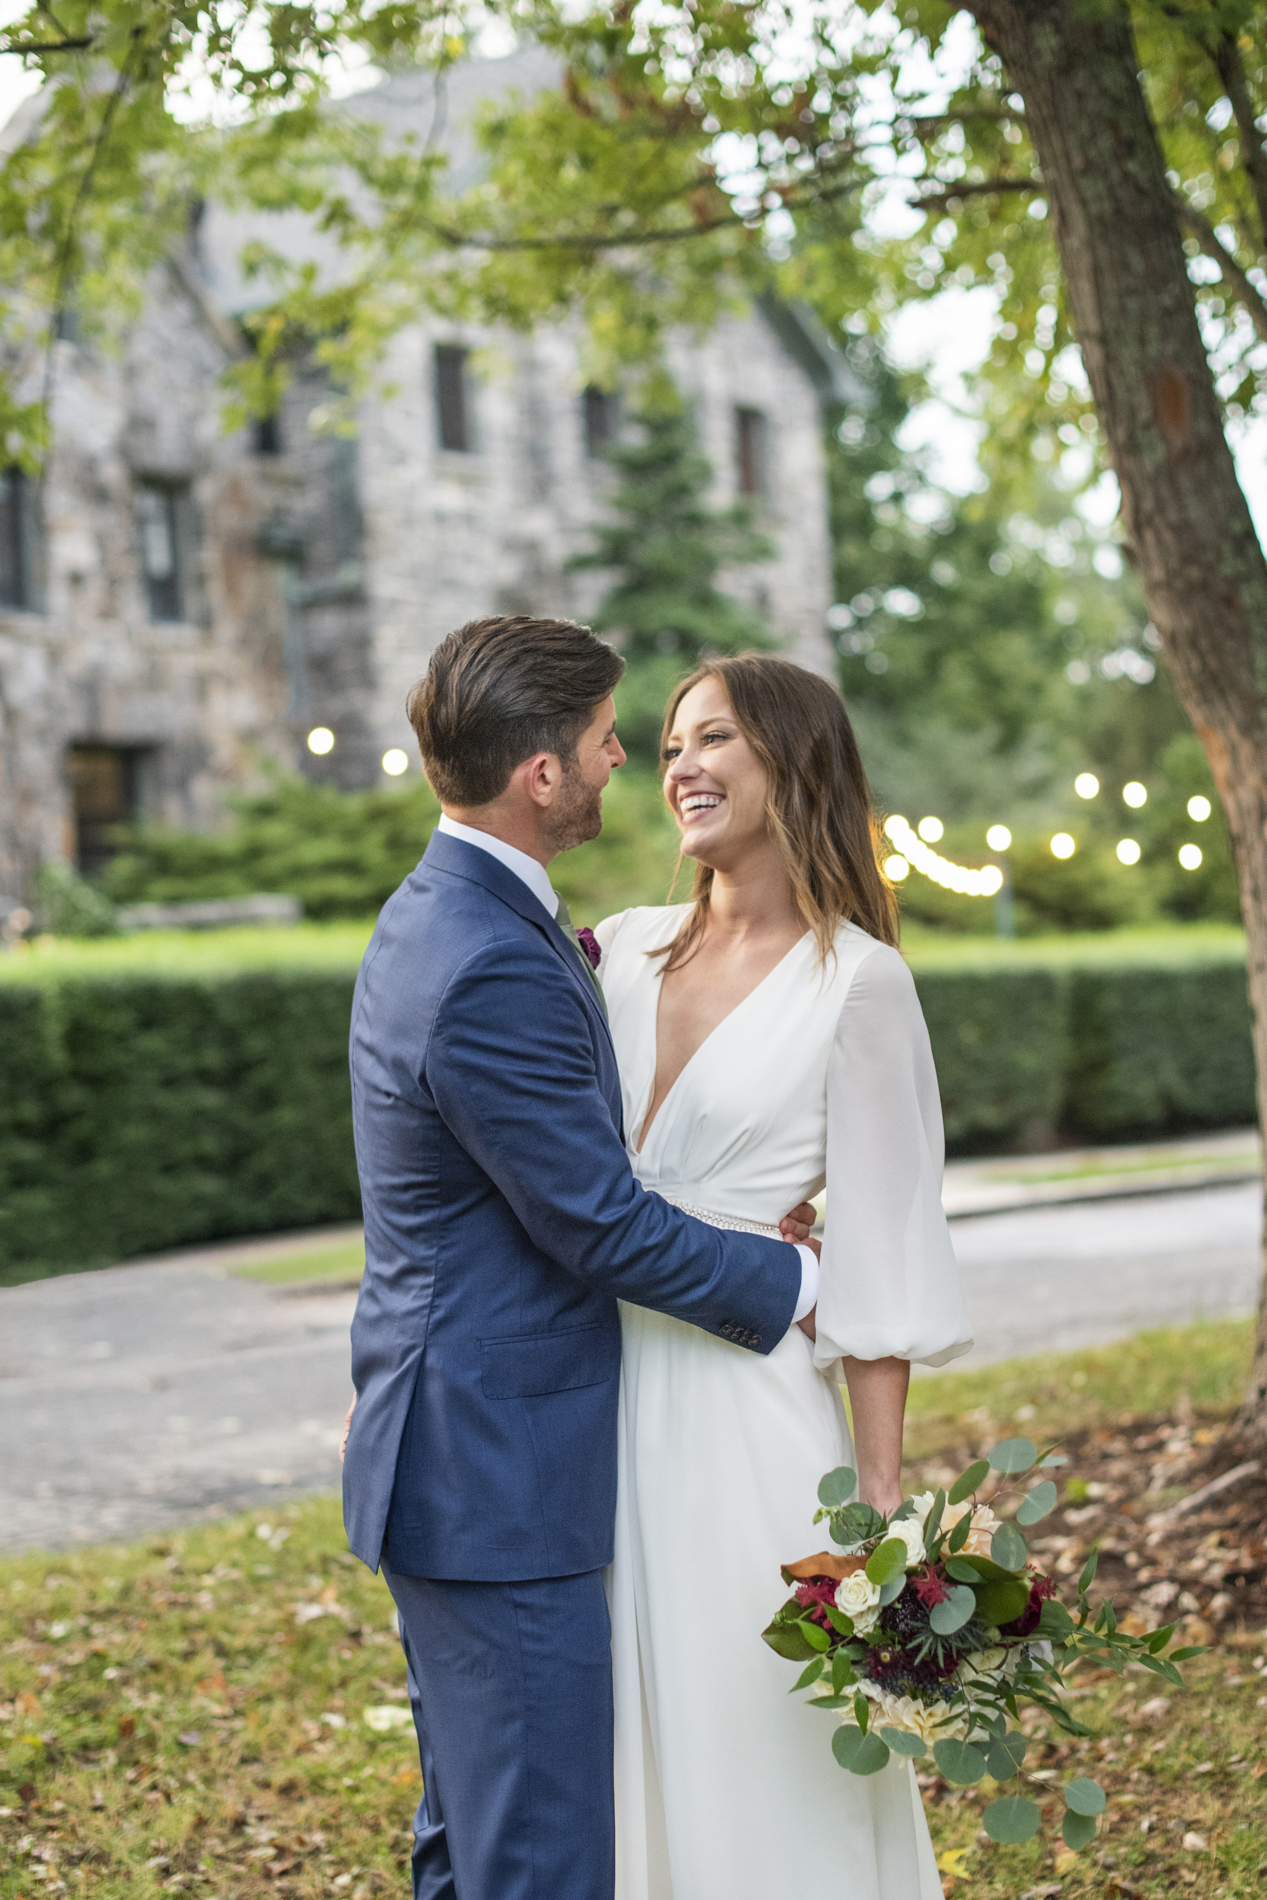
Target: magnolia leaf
[
  {"x": 837, "y": 1487},
  {"x": 860, "y": 1754},
  {"x": 902, "y": 1742},
  {"x": 887, "y": 1560},
  {"x": 1013, "y": 1455},
  {"x": 1037, "y": 1504},
  {"x": 1055, "y": 1622},
  {"x": 1085, "y": 1796},
  {"x": 1078, "y": 1830},
  {"x": 1008, "y": 1548},
  {"x": 1000, "y": 1603},
  {"x": 809, "y": 1675},
  {"x": 954, "y": 1611},
  {"x": 969, "y": 1481},
  {"x": 1005, "y": 1754},
  {"x": 786, "y": 1640},
  {"x": 959, "y": 1762},
  {"x": 1012, "y": 1820}
]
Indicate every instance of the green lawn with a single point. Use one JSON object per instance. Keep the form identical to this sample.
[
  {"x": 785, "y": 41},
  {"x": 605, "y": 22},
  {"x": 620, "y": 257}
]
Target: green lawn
[
  {"x": 222, "y": 1712},
  {"x": 343, "y": 1262}
]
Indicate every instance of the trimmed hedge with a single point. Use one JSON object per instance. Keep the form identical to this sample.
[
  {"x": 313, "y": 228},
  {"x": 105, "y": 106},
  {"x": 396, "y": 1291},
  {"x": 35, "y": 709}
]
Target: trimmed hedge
[{"x": 145, "y": 1108}]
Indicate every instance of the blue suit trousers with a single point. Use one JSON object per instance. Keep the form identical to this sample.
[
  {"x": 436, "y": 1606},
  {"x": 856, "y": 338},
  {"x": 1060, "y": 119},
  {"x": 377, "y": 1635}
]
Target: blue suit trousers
[{"x": 511, "y": 1686}]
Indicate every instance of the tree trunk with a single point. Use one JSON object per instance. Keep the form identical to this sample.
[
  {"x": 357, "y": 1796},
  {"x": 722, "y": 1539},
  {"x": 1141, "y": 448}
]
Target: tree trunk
[{"x": 1202, "y": 568}]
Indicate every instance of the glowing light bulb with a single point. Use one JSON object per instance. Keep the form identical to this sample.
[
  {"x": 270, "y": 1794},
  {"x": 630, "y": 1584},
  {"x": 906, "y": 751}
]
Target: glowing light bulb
[
  {"x": 998, "y": 837},
  {"x": 1199, "y": 808},
  {"x": 896, "y": 868},
  {"x": 1062, "y": 845},
  {"x": 1128, "y": 851},
  {"x": 913, "y": 854},
  {"x": 930, "y": 829},
  {"x": 1190, "y": 856},
  {"x": 1086, "y": 785},
  {"x": 321, "y": 741},
  {"x": 395, "y": 762},
  {"x": 1134, "y": 795}
]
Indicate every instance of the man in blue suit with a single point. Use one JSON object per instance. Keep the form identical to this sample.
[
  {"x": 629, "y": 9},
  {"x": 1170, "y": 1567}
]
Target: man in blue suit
[{"x": 502, "y": 1224}]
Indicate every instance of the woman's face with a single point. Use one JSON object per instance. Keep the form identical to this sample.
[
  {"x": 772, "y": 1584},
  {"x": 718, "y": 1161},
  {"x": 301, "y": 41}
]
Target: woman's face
[{"x": 713, "y": 780}]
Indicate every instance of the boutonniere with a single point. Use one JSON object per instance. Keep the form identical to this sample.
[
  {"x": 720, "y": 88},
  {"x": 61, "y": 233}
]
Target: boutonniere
[{"x": 590, "y": 945}]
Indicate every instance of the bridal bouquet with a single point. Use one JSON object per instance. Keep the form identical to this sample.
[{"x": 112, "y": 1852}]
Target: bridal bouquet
[{"x": 932, "y": 1626}]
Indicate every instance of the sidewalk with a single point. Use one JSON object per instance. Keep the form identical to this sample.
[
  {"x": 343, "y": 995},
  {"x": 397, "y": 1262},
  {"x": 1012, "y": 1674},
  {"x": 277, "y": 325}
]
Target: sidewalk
[{"x": 1007, "y": 1182}]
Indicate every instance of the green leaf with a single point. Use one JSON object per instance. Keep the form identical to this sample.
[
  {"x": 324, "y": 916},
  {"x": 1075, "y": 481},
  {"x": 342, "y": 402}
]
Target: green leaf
[
  {"x": 932, "y": 1523},
  {"x": 1012, "y": 1820},
  {"x": 902, "y": 1742},
  {"x": 809, "y": 1675},
  {"x": 961, "y": 1533},
  {"x": 1037, "y": 1504},
  {"x": 1000, "y": 1603},
  {"x": 1013, "y": 1455},
  {"x": 988, "y": 1570},
  {"x": 1052, "y": 1460},
  {"x": 955, "y": 1610},
  {"x": 830, "y": 1702},
  {"x": 855, "y": 1523},
  {"x": 961, "y": 1571},
  {"x": 1159, "y": 1638},
  {"x": 816, "y": 1638},
  {"x": 1078, "y": 1830},
  {"x": 1085, "y": 1796},
  {"x": 1088, "y": 1572},
  {"x": 861, "y": 1711},
  {"x": 892, "y": 1590},
  {"x": 1162, "y": 1666},
  {"x": 786, "y": 1640},
  {"x": 1186, "y": 1655},
  {"x": 959, "y": 1762},
  {"x": 837, "y": 1487},
  {"x": 969, "y": 1481},
  {"x": 842, "y": 1624},
  {"x": 1005, "y": 1754},
  {"x": 1008, "y": 1548},
  {"x": 1055, "y": 1622},
  {"x": 842, "y": 1674},
  {"x": 860, "y": 1754},
  {"x": 887, "y": 1560}
]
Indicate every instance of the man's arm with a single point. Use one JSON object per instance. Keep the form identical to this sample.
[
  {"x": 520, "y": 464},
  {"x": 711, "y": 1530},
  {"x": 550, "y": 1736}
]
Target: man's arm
[{"x": 511, "y": 1068}]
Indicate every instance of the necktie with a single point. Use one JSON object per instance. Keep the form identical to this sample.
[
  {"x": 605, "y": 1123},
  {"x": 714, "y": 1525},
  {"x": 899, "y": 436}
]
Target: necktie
[{"x": 564, "y": 919}]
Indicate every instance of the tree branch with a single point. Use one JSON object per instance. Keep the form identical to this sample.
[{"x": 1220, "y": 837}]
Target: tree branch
[
  {"x": 1234, "y": 276},
  {"x": 991, "y": 115},
  {"x": 50, "y": 46},
  {"x": 986, "y": 188},
  {"x": 1227, "y": 58}
]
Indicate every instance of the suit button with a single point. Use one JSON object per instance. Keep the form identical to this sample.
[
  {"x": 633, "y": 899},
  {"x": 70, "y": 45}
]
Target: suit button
[
  {"x": 726, "y": 1329},
  {"x": 754, "y": 1339}
]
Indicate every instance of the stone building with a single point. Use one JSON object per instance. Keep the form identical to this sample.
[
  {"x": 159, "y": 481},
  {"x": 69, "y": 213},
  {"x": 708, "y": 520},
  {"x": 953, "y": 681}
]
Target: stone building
[{"x": 180, "y": 606}]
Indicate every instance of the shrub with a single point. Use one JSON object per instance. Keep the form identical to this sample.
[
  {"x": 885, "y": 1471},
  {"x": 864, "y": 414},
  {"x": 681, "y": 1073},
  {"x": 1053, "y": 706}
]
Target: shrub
[{"x": 999, "y": 1040}]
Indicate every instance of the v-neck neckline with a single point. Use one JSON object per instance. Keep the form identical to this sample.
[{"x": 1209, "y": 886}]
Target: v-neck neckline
[{"x": 644, "y": 1130}]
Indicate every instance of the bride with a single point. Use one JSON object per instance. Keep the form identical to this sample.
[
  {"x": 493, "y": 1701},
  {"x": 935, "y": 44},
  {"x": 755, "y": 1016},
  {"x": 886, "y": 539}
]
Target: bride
[{"x": 770, "y": 1042}]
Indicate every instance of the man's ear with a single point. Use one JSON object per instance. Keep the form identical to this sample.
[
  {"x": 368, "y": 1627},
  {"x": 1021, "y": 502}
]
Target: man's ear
[{"x": 541, "y": 776}]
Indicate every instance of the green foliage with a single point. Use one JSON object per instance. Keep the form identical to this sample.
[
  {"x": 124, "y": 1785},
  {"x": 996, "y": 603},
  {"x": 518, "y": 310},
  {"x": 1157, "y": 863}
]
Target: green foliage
[
  {"x": 665, "y": 545},
  {"x": 68, "y": 906}
]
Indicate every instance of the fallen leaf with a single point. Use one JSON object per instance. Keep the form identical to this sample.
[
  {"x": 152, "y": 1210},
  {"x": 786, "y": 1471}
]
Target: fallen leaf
[
  {"x": 127, "y": 1726},
  {"x": 1065, "y": 1861},
  {"x": 1259, "y": 1770},
  {"x": 212, "y": 1685},
  {"x": 953, "y": 1862}
]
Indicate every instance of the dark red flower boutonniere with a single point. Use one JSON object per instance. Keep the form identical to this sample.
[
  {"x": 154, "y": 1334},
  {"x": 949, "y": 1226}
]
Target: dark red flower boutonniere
[{"x": 590, "y": 945}]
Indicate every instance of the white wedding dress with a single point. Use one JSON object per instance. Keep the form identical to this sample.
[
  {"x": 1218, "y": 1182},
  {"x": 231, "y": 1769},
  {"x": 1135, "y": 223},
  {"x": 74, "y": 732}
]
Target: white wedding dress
[{"x": 726, "y": 1786}]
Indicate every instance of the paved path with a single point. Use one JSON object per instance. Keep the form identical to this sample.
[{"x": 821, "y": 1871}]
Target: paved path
[{"x": 147, "y": 1396}]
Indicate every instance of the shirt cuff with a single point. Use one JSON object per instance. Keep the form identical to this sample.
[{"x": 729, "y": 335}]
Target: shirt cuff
[{"x": 809, "y": 1283}]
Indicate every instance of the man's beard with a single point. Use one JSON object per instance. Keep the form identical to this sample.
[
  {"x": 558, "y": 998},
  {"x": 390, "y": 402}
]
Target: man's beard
[{"x": 576, "y": 814}]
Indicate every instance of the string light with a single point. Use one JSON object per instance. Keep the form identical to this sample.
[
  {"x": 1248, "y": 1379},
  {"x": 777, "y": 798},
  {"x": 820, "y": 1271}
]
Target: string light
[
  {"x": 395, "y": 762},
  {"x": 1086, "y": 785},
  {"x": 1135, "y": 795},
  {"x": 1062, "y": 845},
  {"x": 896, "y": 868},
  {"x": 930, "y": 829},
  {"x": 951, "y": 877},
  {"x": 998, "y": 837},
  {"x": 1199, "y": 808},
  {"x": 1128, "y": 851},
  {"x": 321, "y": 741},
  {"x": 1190, "y": 855}
]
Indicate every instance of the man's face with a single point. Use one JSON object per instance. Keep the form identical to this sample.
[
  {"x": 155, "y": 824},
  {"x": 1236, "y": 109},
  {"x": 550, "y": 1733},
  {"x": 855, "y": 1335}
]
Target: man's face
[{"x": 576, "y": 812}]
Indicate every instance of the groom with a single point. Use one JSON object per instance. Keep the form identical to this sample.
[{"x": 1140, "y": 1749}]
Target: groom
[{"x": 502, "y": 1223}]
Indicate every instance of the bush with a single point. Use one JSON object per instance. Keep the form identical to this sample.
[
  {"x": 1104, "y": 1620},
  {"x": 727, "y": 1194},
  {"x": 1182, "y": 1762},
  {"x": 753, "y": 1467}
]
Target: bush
[{"x": 999, "y": 1040}]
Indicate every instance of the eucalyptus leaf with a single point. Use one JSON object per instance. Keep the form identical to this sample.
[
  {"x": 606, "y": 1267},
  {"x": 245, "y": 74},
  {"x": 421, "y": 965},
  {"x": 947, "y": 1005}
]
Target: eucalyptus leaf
[
  {"x": 860, "y": 1754},
  {"x": 1012, "y": 1820},
  {"x": 902, "y": 1742},
  {"x": 1005, "y": 1754},
  {"x": 1037, "y": 1504},
  {"x": 969, "y": 1481},
  {"x": 1078, "y": 1830},
  {"x": 953, "y": 1611},
  {"x": 887, "y": 1560},
  {"x": 1085, "y": 1796},
  {"x": 959, "y": 1762},
  {"x": 1052, "y": 1460},
  {"x": 1008, "y": 1547},
  {"x": 1013, "y": 1455},
  {"x": 892, "y": 1590},
  {"x": 837, "y": 1487},
  {"x": 961, "y": 1571}
]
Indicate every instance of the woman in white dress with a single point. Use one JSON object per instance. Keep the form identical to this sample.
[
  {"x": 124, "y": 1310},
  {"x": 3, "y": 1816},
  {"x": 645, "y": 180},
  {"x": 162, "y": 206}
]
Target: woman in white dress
[{"x": 770, "y": 1042}]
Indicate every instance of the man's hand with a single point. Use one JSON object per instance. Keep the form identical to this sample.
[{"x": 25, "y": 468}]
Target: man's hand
[
  {"x": 347, "y": 1426},
  {"x": 798, "y": 1225}
]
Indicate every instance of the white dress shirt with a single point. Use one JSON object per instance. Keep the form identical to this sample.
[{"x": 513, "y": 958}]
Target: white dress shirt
[{"x": 532, "y": 872}]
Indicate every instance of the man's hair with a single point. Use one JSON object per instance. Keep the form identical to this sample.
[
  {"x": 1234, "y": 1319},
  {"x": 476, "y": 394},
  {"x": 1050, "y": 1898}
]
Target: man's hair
[{"x": 497, "y": 691}]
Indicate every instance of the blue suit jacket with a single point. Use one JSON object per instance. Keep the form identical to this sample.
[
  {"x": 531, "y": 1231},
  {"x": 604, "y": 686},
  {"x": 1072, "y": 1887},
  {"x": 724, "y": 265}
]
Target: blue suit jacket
[{"x": 502, "y": 1222}]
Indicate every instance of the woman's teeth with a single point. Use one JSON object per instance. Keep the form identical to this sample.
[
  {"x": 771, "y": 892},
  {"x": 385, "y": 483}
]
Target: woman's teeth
[{"x": 699, "y": 801}]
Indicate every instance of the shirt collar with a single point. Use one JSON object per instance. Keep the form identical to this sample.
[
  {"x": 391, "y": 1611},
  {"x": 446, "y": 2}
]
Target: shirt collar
[{"x": 528, "y": 870}]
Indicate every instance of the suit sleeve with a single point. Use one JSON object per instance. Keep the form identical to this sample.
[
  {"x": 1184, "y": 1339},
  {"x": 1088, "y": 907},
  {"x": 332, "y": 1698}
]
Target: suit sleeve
[{"x": 512, "y": 1068}]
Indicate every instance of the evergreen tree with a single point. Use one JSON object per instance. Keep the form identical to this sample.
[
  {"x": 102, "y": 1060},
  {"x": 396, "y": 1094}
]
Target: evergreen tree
[{"x": 665, "y": 545}]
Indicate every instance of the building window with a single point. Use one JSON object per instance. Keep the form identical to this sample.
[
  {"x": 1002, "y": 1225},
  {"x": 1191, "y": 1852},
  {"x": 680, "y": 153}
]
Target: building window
[
  {"x": 267, "y": 435},
  {"x": 19, "y": 540},
  {"x": 453, "y": 398},
  {"x": 602, "y": 420},
  {"x": 160, "y": 508},
  {"x": 751, "y": 452},
  {"x": 103, "y": 786}
]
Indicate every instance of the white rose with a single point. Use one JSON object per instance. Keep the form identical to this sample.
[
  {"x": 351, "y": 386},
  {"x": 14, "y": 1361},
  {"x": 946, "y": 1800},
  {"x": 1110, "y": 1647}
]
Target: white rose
[
  {"x": 859, "y": 1599},
  {"x": 984, "y": 1522},
  {"x": 911, "y": 1531}
]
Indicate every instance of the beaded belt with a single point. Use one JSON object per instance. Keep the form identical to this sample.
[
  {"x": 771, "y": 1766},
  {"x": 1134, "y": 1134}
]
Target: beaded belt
[{"x": 734, "y": 1222}]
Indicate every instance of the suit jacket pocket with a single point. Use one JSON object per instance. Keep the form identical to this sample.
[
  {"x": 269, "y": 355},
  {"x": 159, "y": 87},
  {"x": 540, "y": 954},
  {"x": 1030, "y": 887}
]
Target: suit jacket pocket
[{"x": 532, "y": 1364}]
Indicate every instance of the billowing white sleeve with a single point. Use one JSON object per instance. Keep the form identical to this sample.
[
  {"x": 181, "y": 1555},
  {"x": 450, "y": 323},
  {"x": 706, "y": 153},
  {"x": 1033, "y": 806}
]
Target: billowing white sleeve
[{"x": 889, "y": 1285}]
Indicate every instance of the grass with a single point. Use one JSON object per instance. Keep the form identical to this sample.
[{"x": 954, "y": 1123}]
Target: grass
[
  {"x": 190, "y": 1713},
  {"x": 1164, "y": 944},
  {"x": 1169, "y": 1161},
  {"x": 344, "y": 1262}
]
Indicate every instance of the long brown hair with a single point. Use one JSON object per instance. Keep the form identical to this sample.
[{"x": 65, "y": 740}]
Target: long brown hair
[{"x": 818, "y": 802}]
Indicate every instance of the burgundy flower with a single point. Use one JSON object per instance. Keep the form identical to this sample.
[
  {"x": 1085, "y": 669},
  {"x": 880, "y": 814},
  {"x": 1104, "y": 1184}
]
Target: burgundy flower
[
  {"x": 813, "y": 1595},
  {"x": 1040, "y": 1588},
  {"x": 590, "y": 945},
  {"x": 931, "y": 1589}
]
